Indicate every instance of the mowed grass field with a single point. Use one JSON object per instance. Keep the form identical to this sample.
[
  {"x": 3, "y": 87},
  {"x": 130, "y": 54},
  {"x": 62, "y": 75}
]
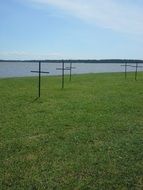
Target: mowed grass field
[{"x": 86, "y": 136}]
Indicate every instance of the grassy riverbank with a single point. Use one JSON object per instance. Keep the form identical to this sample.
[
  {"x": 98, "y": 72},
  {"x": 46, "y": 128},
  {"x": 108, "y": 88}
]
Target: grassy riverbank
[{"x": 87, "y": 136}]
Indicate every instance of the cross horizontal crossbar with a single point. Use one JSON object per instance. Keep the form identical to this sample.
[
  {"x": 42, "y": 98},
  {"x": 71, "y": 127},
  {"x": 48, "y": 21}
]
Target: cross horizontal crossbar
[
  {"x": 40, "y": 72},
  {"x": 128, "y": 65},
  {"x": 138, "y": 66},
  {"x": 70, "y": 67},
  {"x": 123, "y": 65},
  {"x": 62, "y": 68},
  {"x": 133, "y": 66}
]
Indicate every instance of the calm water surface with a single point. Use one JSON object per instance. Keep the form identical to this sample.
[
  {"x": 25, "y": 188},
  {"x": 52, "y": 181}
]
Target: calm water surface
[{"x": 19, "y": 69}]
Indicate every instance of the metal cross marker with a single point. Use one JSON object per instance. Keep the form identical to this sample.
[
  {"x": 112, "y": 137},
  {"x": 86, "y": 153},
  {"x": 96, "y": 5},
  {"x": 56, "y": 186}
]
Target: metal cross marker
[
  {"x": 70, "y": 68},
  {"x": 125, "y": 69},
  {"x": 39, "y": 83},
  {"x": 63, "y": 72},
  {"x": 135, "y": 66}
]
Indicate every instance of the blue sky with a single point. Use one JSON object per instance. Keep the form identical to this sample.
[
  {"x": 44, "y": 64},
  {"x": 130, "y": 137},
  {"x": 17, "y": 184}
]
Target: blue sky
[{"x": 57, "y": 29}]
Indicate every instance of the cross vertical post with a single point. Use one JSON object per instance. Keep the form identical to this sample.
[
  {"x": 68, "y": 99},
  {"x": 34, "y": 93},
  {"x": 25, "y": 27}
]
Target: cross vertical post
[
  {"x": 39, "y": 80},
  {"x": 70, "y": 71},
  {"x": 39, "y": 93},
  {"x": 63, "y": 73},
  {"x": 136, "y": 72},
  {"x": 126, "y": 70},
  {"x": 63, "y": 68}
]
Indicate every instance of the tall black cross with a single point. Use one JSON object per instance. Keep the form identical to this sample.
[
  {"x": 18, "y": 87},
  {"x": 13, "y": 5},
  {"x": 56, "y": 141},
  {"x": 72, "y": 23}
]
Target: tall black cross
[
  {"x": 125, "y": 69},
  {"x": 39, "y": 82},
  {"x": 70, "y": 68},
  {"x": 63, "y": 72},
  {"x": 134, "y": 66}
]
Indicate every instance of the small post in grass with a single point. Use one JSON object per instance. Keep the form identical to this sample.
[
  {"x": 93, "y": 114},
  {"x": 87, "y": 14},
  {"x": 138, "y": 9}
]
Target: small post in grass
[{"x": 39, "y": 81}]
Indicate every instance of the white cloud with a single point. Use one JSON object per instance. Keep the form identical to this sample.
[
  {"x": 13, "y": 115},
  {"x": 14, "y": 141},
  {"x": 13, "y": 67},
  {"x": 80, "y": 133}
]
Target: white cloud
[{"x": 119, "y": 15}]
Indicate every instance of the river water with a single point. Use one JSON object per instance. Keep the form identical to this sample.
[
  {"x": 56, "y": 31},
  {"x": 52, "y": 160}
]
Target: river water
[{"x": 21, "y": 69}]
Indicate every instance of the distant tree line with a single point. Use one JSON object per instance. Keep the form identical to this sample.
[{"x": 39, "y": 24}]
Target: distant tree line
[{"x": 81, "y": 61}]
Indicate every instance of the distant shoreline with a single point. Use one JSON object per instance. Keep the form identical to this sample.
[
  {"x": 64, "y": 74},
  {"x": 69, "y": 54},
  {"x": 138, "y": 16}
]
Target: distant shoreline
[{"x": 116, "y": 61}]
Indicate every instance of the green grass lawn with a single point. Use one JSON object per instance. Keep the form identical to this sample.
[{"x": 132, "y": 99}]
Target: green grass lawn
[{"x": 86, "y": 136}]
